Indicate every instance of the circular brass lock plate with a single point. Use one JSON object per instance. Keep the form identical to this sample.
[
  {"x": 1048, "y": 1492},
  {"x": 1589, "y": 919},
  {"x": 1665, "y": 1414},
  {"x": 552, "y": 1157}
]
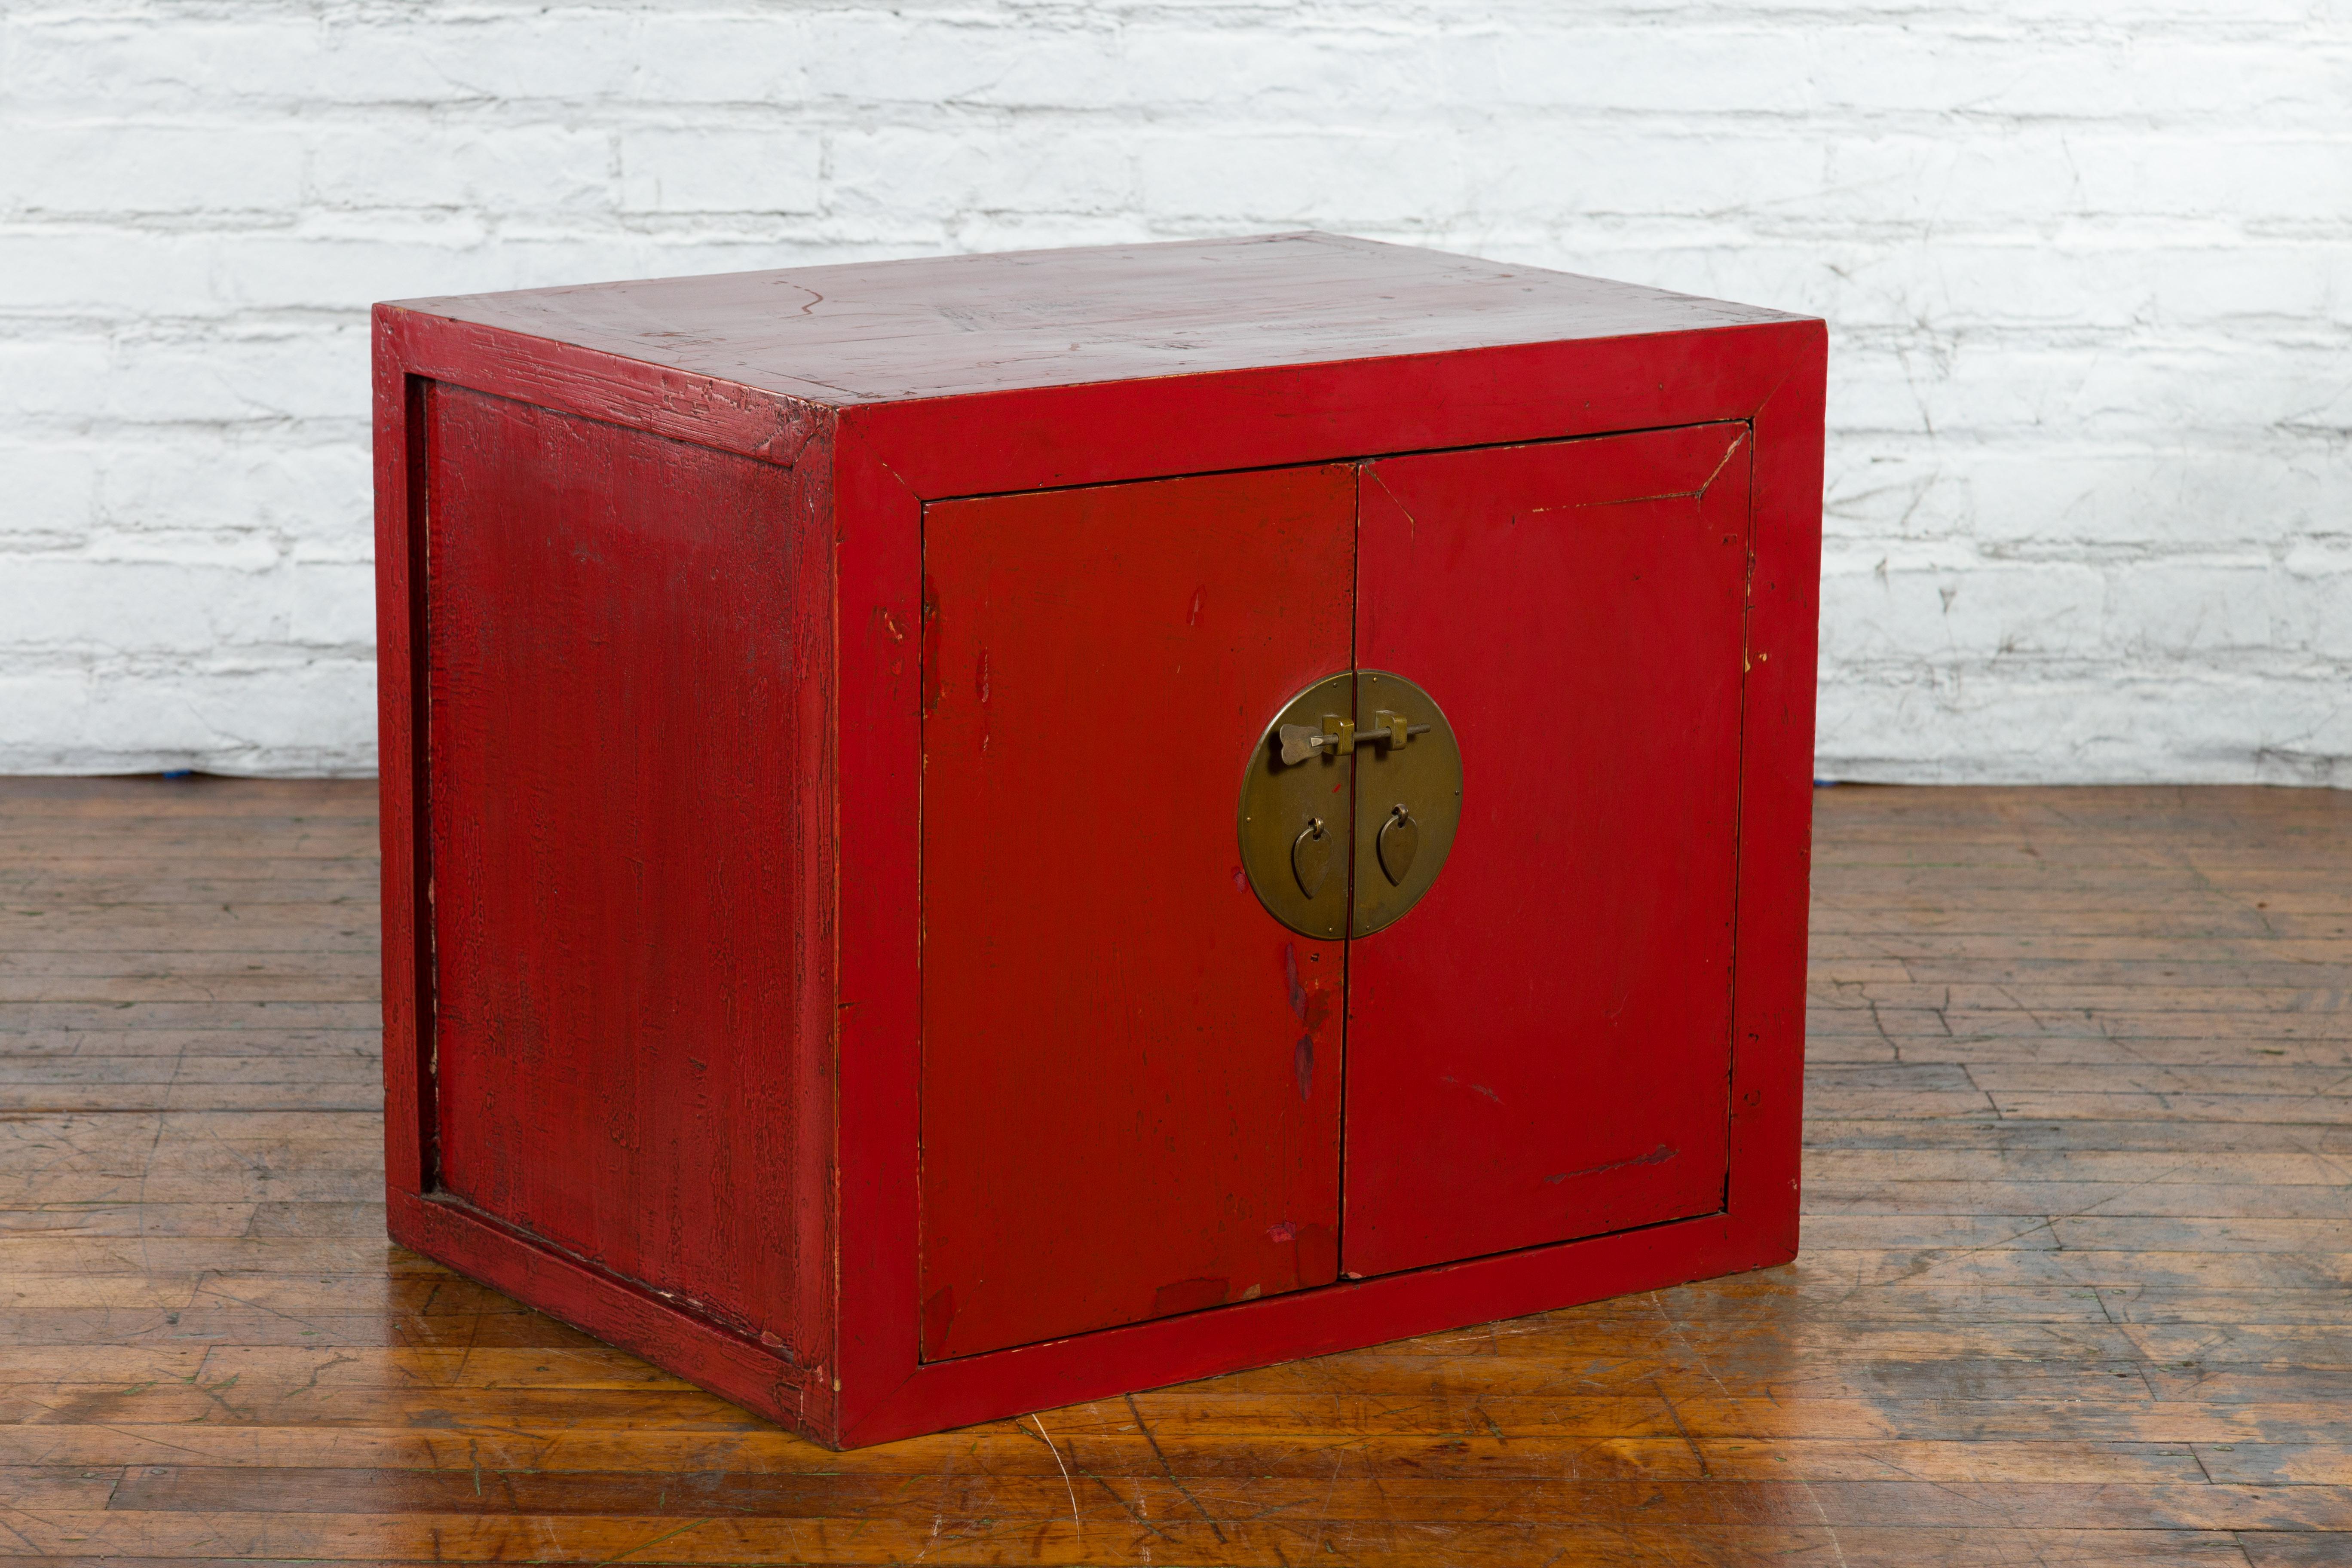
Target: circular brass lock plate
[{"x": 1349, "y": 804}]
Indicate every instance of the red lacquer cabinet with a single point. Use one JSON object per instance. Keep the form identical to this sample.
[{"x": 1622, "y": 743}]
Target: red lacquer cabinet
[{"x": 965, "y": 835}]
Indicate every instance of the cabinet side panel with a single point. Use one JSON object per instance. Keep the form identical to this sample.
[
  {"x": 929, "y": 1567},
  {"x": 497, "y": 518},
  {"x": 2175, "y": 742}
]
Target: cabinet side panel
[
  {"x": 612, "y": 725},
  {"x": 1777, "y": 806},
  {"x": 407, "y": 1011}
]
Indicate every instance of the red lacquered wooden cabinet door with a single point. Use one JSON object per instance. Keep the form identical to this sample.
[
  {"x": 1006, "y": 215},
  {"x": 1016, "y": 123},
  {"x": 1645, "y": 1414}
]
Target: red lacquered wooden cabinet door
[
  {"x": 1541, "y": 1050},
  {"x": 1130, "y": 1072}
]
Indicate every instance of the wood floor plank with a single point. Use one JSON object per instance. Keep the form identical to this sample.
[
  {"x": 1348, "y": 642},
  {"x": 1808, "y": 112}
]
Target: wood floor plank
[
  {"x": 1930, "y": 1025},
  {"x": 256, "y": 1182},
  {"x": 57, "y": 1044},
  {"x": 2079, "y": 1052},
  {"x": 1338, "y": 1497},
  {"x": 150, "y": 888},
  {"x": 260, "y": 1014},
  {"x": 464, "y": 1538},
  {"x": 1005, "y": 1450},
  {"x": 196, "y": 1096},
  {"x": 2077, "y": 1285},
  {"x": 2187, "y": 1200},
  {"x": 348, "y": 1065},
  {"x": 26, "y": 969},
  {"x": 288, "y": 1217},
  {"x": 2144, "y": 1134}
]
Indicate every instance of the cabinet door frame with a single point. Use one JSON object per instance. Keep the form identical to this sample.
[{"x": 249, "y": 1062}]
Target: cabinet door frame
[{"x": 888, "y": 460}]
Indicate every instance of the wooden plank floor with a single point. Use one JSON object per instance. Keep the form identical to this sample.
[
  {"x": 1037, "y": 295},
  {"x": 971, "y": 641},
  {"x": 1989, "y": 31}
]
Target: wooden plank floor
[{"x": 2074, "y": 1286}]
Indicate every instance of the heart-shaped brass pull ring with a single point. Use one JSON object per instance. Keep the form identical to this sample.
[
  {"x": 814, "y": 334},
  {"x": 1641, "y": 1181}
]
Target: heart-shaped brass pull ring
[
  {"x": 1399, "y": 841},
  {"x": 1310, "y": 858}
]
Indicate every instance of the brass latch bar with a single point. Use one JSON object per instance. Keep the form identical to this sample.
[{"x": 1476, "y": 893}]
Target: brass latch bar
[{"x": 1340, "y": 737}]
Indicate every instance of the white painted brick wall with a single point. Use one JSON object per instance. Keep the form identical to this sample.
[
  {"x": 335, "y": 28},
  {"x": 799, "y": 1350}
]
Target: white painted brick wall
[{"x": 2088, "y": 266}]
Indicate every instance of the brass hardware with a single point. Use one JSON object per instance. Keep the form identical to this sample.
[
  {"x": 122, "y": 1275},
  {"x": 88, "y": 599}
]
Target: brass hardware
[
  {"x": 1407, "y": 799},
  {"x": 1295, "y": 778},
  {"x": 1311, "y": 856},
  {"x": 1400, "y": 838},
  {"x": 1300, "y": 742},
  {"x": 1380, "y": 795}
]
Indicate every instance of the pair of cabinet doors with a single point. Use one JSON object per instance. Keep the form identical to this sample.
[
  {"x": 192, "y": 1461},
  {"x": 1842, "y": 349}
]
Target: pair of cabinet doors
[{"x": 1142, "y": 1093}]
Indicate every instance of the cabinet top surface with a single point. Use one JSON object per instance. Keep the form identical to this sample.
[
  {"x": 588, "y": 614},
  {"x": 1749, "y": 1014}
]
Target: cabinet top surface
[{"x": 950, "y": 326}]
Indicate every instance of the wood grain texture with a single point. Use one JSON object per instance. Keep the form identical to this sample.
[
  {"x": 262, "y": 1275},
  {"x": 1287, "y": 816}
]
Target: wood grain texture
[
  {"x": 610, "y": 719},
  {"x": 2059, "y": 1335},
  {"x": 947, "y": 326}
]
